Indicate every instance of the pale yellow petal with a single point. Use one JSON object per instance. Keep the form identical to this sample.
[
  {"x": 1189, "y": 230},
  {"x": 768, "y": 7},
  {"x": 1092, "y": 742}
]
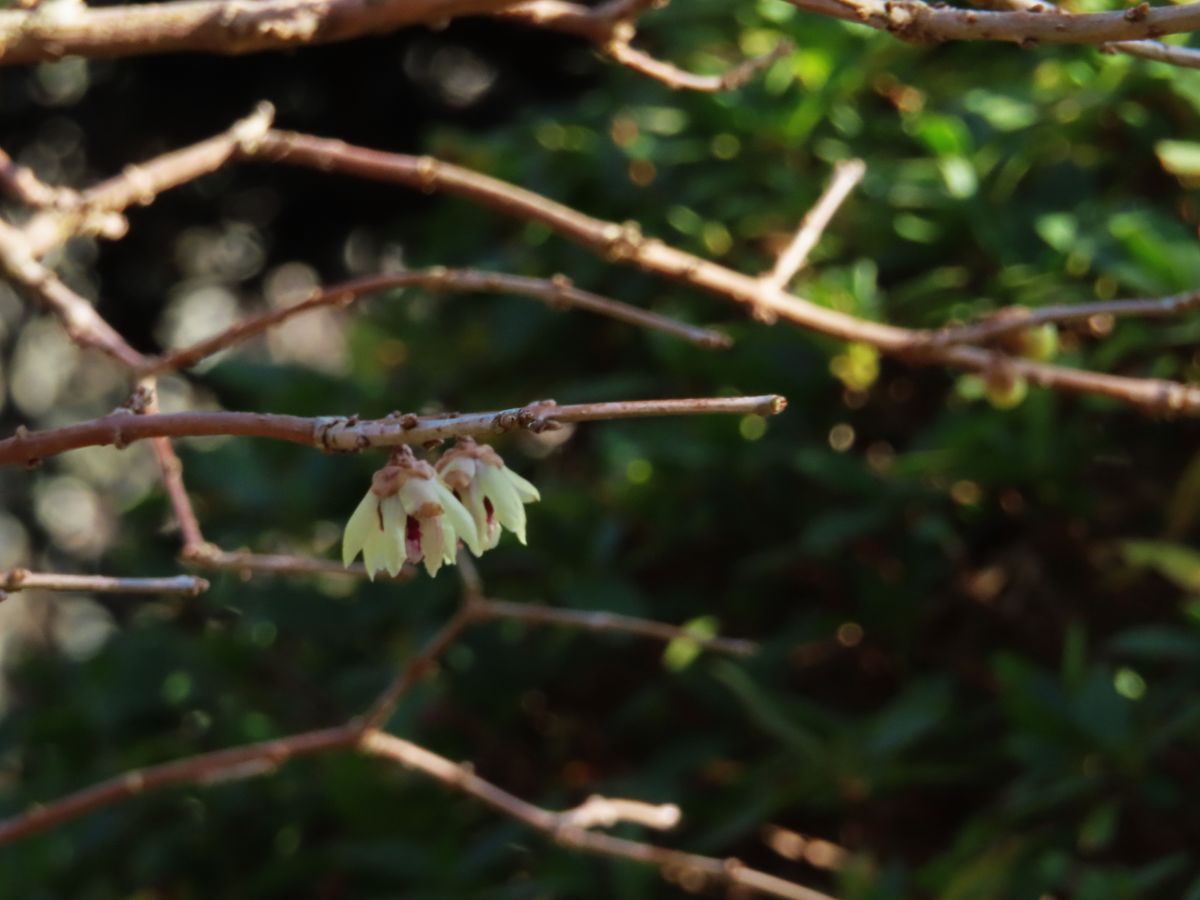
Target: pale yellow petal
[
  {"x": 393, "y": 526},
  {"x": 433, "y": 545},
  {"x": 362, "y": 520},
  {"x": 375, "y": 552},
  {"x": 525, "y": 490},
  {"x": 459, "y": 520},
  {"x": 505, "y": 501}
]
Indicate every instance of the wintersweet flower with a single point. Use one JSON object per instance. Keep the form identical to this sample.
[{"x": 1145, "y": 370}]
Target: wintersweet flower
[
  {"x": 408, "y": 514},
  {"x": 494, "y": 494}
]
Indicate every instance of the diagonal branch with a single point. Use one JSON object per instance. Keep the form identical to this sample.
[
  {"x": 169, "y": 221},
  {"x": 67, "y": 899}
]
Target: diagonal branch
[
  {"x": 846, "y": 176},
  {"x": 351, "y": 434},
  {"x": 206, "y": 768},
  {"x": 626, "y": 244},
  {"x": 698, "y": 872},
  {"x": 557, "y": 292}
]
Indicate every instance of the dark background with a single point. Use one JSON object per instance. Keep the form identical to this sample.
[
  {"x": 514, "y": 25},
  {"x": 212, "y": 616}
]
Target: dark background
[{"x": 981, "y": 629}]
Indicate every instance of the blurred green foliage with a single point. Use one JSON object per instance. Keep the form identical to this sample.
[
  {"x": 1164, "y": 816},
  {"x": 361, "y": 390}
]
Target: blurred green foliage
[{"x": 980, "y": 628}]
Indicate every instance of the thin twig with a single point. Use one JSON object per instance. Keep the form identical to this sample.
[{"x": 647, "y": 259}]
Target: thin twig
[
  {"x": 697, "y": 872},
  {"x": 141, "y": 183},
  {"x": 82, "y": 322},
  {"x": 846, "y": 175},
  {"x": 557, "y": 292},
  {"x": 537, "y": 614},
  {"x": 1013, "y": 319},
  {"x": 206, "y": 768},
  {"x": 674, "y": 77},
  {"x": 24, "y": 580},
  {"x": 246, "y": 564},
  {"x": 919, "y": 22},
  {"x": 20, "y": 183},
  {"x": 418, "y": 667},
  {"x": 626, "y": 244},
  {"x": 339, "y": 433}
]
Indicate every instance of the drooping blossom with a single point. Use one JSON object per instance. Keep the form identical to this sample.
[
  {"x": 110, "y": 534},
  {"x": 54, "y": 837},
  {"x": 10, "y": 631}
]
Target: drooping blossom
[
  {"x": 408, "y": 515},
  {"x": 493, "y": 494}
]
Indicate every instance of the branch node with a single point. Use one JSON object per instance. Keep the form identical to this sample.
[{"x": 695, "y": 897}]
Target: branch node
[
  {"x": 427, "y": 174},
  {"x": 249, "y": 132}
]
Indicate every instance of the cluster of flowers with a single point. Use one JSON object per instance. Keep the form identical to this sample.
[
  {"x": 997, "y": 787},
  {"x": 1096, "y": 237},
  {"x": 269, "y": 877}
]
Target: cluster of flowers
[{"x": 415, "y": 511}]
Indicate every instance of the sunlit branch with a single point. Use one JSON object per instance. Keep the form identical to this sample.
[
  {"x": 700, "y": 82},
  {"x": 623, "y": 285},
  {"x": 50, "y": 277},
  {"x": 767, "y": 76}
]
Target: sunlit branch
[
  {"x": 348, "y": 434},
  {"x": 224, "y": 27},
  {"x": 565, "y": 828},
  {"x": 846, "y": 175},
  {"x": 141, "y": 183},
  {"x": 23, "y": 185},
  {"x": 25, "y": 580},
  {"x": 1185, "y": 57},
  {"x": 626, "y": 244},
  {"x": 674, "y": 77},
  {"x": 557, "y": 292},
  {"x": 913, "y": 20}
]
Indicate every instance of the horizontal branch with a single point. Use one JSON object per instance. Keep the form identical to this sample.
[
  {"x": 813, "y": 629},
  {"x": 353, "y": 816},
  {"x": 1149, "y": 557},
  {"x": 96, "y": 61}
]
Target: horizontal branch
[
  {"x": 919, "y": 22},
  {"x": 246, "y": 563},
  {"x": 22, "y": 580},
  {"x": 537, "y": 614},
  {"x": 557, "y": 292},
  {"x": 352, "y": 434},
  {"x": 1185, "y": 57},
  {"x": 1018, "y": 318},
  {"x": 226, "y": 27}
]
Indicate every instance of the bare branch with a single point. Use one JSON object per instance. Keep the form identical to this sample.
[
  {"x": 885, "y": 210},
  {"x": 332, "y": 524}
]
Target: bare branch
[
  {"x": 141, "y": 184},
  {"x": 418, "y": 667},
  {"x": 22, "y": 184},
  {"x": 207, "y": 768},
  {"x": 696, "y": 871},
  {"x": 225, "y": 27},
  {"x": 626, "y": 244},
  {"x": 605, "y": 812},
  {"x": 846, "y": 175},
  {"x": 351, "y": 434},
  {"x": 83, "y": 323},
  {"x": 536, "y": 614},
  {"x": 207, "y": 556},
  {"x": 913, "y": 20},
  {"x": 557, "y": 292},
  {"x": 674, "y": 77},
  {"x": 22, "y": 580},
  {"x": 1018, "y": 318}
]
